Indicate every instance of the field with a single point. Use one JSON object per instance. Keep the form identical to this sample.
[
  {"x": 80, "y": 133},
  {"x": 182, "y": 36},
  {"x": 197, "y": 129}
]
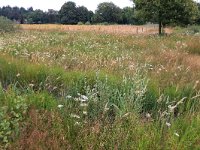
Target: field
[
  {"x": 99, "y": 87},
  {"x": 112, "y": 29}
]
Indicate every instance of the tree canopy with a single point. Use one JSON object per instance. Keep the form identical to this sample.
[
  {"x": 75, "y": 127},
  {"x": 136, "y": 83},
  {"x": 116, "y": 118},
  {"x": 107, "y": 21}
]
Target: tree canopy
[
  {"x": 181, "y": 12},
  {"x": 164, "y": 12},
  {"x": 68, "y": 13},
  {"x": 108, "y": 12}
]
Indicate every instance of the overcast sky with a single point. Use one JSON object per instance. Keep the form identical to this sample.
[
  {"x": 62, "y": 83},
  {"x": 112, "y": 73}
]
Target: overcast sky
[{"x": 56, "y": 4}]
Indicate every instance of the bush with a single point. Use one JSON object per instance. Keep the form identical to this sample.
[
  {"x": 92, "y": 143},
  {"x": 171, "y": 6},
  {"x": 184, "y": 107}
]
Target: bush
[
  {"x": 87, "y": 23},
  {"x": 7, "y": 25},
  {"x": 80, "y": 23},
  {"x": 191, "y": 30}
]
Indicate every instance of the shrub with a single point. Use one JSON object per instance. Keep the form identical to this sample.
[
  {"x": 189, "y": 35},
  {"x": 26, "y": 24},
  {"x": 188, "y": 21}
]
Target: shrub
[
  {"x": 6, "y": 25},
  {"x": 80, "y": 23},
  {"x": 87, "y": 23},
  {"x": 192, "y": 30}
]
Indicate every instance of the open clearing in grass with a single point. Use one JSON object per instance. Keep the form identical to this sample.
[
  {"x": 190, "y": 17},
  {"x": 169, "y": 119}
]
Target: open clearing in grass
[{"x": 79, "y": 90}]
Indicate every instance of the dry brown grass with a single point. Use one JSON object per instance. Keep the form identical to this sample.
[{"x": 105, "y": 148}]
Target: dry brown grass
[
  {"x": 116, "y": 29},
  {"x": 36, "y": 135}
]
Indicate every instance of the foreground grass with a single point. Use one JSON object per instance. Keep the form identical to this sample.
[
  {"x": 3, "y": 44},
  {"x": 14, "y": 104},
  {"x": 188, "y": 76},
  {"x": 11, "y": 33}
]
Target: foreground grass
[
  {"x": 36, "y": 120},
  {"x": 77, "y": 90}
]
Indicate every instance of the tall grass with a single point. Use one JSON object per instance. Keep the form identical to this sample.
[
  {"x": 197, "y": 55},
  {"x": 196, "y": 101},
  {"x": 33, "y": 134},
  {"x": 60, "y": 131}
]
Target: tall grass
[
  {"x": 84, "y": 91},
  {"x": 7, "y": 25}
]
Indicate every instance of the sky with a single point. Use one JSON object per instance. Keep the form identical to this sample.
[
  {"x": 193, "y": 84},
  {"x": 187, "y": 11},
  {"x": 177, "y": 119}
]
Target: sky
[{"x": 56, "y": 4}]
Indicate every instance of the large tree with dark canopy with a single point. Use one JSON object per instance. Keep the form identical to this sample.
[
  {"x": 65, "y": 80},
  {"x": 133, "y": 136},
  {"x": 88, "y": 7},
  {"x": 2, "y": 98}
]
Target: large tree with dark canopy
[
  {"x": 68, "y": 13},
  {"x": 128, "y": 15},
  {"x": 108, "y": 12},
  {"x": 82, "y": 14},
  {"x": 181, "y": 12}
]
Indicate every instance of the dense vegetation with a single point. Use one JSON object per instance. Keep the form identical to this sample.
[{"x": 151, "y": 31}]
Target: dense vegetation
[
  {"x": 80, "y": 90},
  {"x": 70, "y": 14},
  {"x": 181, "y": 12},
  {"x": 177, "y": 12},
  {"x": 7, "y": 25},
  {"x": 64, "y": 87}
]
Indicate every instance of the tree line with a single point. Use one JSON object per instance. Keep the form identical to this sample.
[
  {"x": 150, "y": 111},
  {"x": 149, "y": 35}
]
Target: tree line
[
  {"x": 70, "y": 13},
  {"x": 181, "y": 12}
]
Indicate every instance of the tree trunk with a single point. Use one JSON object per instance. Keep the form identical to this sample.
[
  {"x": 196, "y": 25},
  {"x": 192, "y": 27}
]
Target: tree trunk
[{"x": 160, "y": 28}]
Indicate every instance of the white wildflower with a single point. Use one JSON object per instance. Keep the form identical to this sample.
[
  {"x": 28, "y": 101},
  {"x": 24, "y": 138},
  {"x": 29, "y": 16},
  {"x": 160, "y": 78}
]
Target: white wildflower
[
  {"x": 176, "y": 134},
  {"x": 18, "y": 75},
  {"x": 75, "y": 116},
  {"x": 68, "y": 96},
  {"x": 31, "y": 85},
  {"x": 83, "y": 105},
  {"x": 148, "y": 115},
  {"x": 106, "y": 108},
  {"x": 171, "y": 108},
  {"x": 58, "y": 78},
  {"x": 60, "y": 106},
  {"x": 77, "y": 123},
  {"x": 168, "y": 124},
  {"x": 76, "y": 99},
  {"x": 84, "y": 98},
  {"x": 54, "y": 88},
  {"x": 125, "y": 115},
  {"x": 85, "y": 112}
]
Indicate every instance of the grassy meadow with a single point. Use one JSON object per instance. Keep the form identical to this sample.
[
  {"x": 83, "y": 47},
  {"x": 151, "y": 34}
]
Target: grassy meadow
[{"x": 72, "y": 88}]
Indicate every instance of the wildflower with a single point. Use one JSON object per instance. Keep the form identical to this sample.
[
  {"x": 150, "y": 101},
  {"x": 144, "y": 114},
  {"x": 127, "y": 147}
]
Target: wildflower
[
  {"x": 76, "y": 99},
  {"x": 77, "y": 123},
  {"x": 165, "y": 113},
  {"x": 83, "y": 105},
  {"x": 171, "y": 108},
  {"x": 31, "y": 85},
  {"x": 168, "y": 124},
  {"x": 85, "y": 112},
  {"x": 75, "y": 116},
  {"x": 18, "y": 75},
  {"x": 60, "y": 106},
  {"x": 148, "y": 115},
  {"x": 68, "y": 96},
  {"x": 196, "y": 83},
  {"x": 106, "y": 108},
  {"x": 54, "y": 88},
  {"x": 84, "y": 98},
  {"x": 125, "y": 115},
  {"x": 137, "y": 92},
  {"x": 58, "y": 78},
  {"x": 181, "y": 101},
  {"x": 176, "y": 134}
]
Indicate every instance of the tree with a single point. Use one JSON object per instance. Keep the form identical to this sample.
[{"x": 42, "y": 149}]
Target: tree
[
  {"x": 6, "y": 11},
  {"x": 37, "y": 16},
  {"x": 68, "y": 13},
  {"x": 181, "y": 12},
  {"x": 82, "y": 14},
  {"x": 128, "y": 15},
  {"x": 108, "y": 12},
  {"x": 23, "y": 12},
  {"x": 52, "y": 16},
  {"x": 198, "y": 17},
  {"x": 90, "y": 15}
]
